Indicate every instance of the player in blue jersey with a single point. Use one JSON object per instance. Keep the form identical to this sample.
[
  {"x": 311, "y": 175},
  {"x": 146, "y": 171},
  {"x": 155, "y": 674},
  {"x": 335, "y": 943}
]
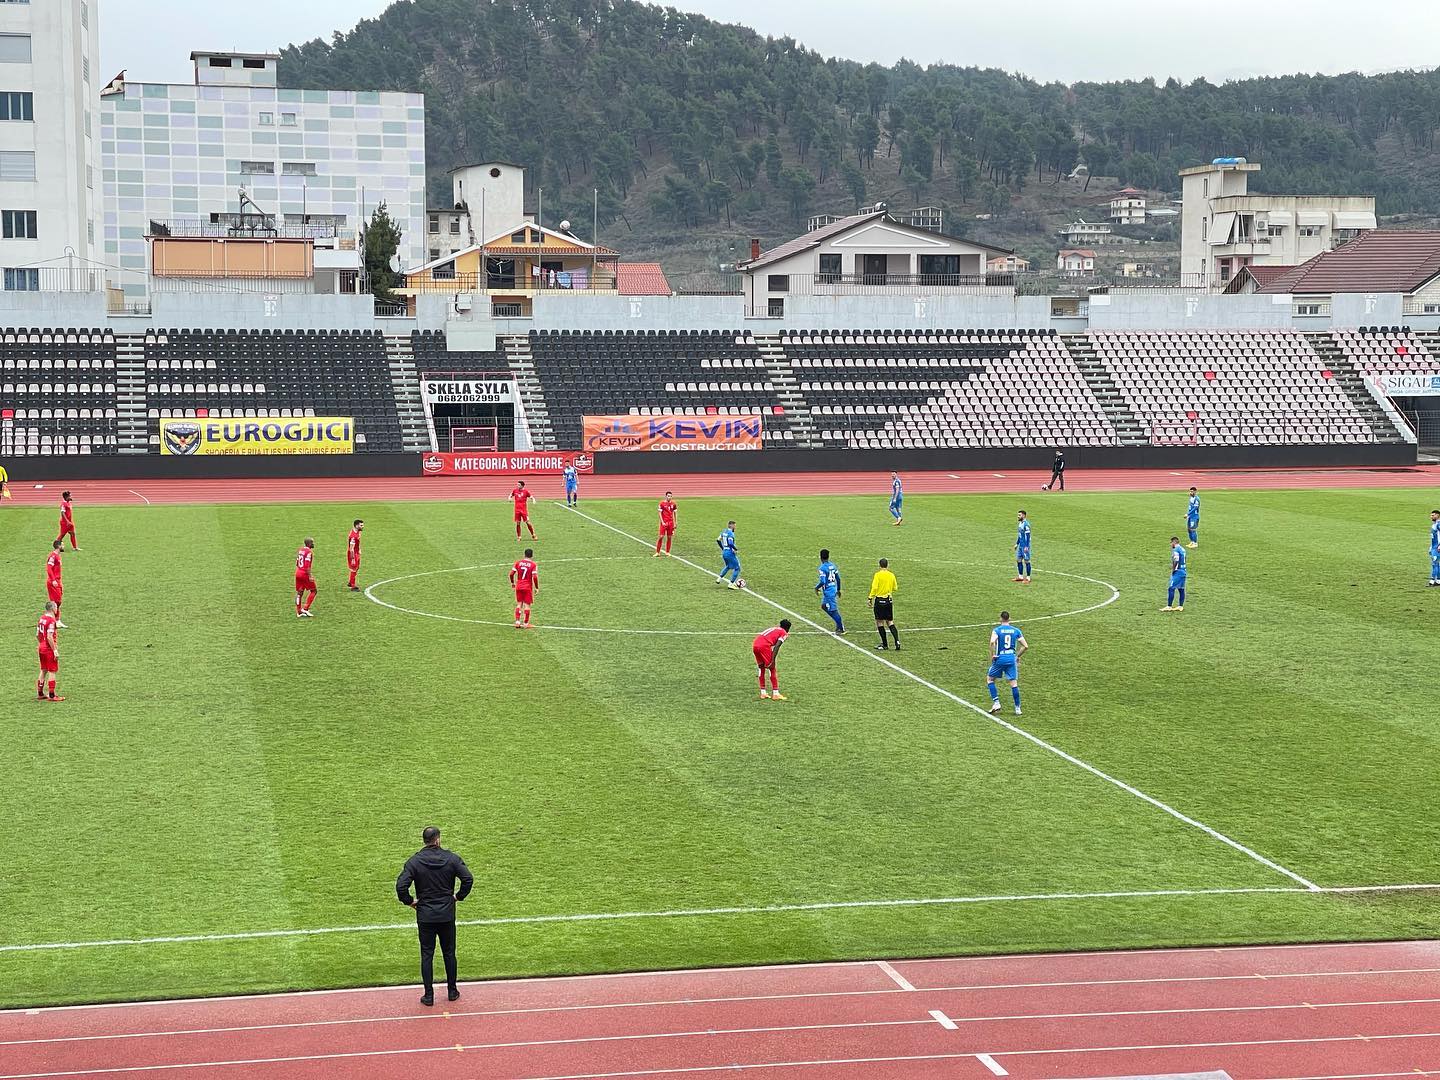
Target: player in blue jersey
[
  {"x": 1007, "y": 645},
  {"x": 897, "y": 498},
  {"x": 1022, "y": 549},
  {"x": 1177, "y": 576},
  {"x": 1192, "y": 518},
  {"x": 828, "y": 589},
  {"x": 730, "y": 554},
  {"x": 1435, "y": 548},
  {"x": 572, "y": 486}
]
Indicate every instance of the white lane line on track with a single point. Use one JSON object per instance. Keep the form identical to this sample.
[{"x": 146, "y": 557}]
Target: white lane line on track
[
  {"x": 991, "y": 1064},
  {"x": 715, "y": 912},
  {"x": 943, "y": 1020},
  {"x": 137, "y": 494},
  {"x": 895, "y": 977},
  {"x": 1214, "y": 834}
]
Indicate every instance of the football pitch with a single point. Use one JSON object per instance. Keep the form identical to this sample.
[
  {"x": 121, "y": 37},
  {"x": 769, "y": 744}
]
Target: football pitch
[{"x": 225, "y": 799}]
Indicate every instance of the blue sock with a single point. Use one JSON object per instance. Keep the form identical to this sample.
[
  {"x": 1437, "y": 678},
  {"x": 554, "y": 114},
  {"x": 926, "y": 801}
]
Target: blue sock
[
  {"x": 1015, "y": 693},
  {"x": 1192, "y": 536},
  {"x": 1170, "y": 599},
  {"x": 1182, "y": 596},
  {"x": 994, "y": 692},
  {"x": 1019, "y": 568},
  {"x": 1027, "y": 567}
]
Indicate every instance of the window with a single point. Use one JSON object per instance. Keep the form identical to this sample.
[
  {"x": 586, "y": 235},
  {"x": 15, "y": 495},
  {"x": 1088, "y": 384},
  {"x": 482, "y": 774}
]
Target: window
[
  {"x": 17, "y": 165},
  {"x": 1276, "y": 230},
  {"x": 253, "y": 63},
  {"x": 22, "y": 279},
  {"x": 776, "y": 308},
  {"x": 297, "y": 168},
  {"x": 17, "y": 105},
  {"x": 940, "y": 265},
  {"x": 267, "y": 119},
  {"x": 520, "y": 237},
  {"x": 18, "y": 225},
  {"x": 287, "y": 119},
  {"x": 444, "y": 273},
  {"x": 454, "y": 226},
  {"x": 90, "y": 231},
  {"x": 257, "y": 168},
  {"x": 84, "y": 14},
  {"x": 220, "y": 61},
  {"x": 1310, "y": 230},
  {"x": 85, "y": 68},
  {"x": 87, "y": 123},
  {"x": 1312, "y": 307},
  {"x": 830, "y": 269},
  {"x": 14, "y": 48},
  {"x": 434, "y": 253},
  {"x": 778, "y": 283},
  {"x": 434, "y": 225}
]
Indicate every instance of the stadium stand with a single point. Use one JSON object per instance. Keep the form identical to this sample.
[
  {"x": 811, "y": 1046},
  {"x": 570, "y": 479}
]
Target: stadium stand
[
  {"x": 661, "y": 373},
  {"x": 1223, "y": 388},
  {"x": 431, "y": 354},
  {"x": 1385, "y": 350},
  {"x": 243, "y": 373},
  {"x": 57, "y": 392},
  {"x": 945, "y": 388}
]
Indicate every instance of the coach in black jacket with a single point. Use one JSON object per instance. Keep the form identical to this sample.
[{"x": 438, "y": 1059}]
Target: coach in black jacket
[{"x": 433, "y": 871}]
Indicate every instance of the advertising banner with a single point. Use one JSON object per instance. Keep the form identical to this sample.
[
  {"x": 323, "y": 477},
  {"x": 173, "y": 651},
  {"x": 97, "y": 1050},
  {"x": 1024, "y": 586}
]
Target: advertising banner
[
  {"x": 466, "y": 390},
  {"x": 1406, "y": 385},
  {"x": 216, "y": 436},
  {"x": 538, "y": 463},
  {"x": 619, "y": 432}
]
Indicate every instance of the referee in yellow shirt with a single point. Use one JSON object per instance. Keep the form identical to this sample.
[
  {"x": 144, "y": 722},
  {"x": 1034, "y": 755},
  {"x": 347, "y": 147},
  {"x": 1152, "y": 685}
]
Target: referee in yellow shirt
[
  {"x": 882, "y": 601},
  {"x": 4, "y": 483}
]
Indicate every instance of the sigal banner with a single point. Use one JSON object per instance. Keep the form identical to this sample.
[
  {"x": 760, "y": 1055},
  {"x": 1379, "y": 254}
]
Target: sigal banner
[
  {"x": 622, "y": 432},
  {"x": 442, "y": 389},
  {"x": 538, "y": 463},
  {"x": 212, "y": 437},
  {"x": 1427, "y": 385}
]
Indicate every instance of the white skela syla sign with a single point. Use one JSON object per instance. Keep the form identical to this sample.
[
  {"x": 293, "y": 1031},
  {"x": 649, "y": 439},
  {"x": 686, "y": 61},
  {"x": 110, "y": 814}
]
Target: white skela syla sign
[{"x": 450, "y": 390}]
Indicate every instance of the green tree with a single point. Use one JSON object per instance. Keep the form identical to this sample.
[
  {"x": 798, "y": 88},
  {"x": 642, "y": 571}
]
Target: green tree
[
  {"x": 798, "y": 187},
  {"x": 774, "y": 161},
  {"x": 865, "y": 136},
  {"x": 967, "y": 175},
  {"x": 380, "y": 240},
  {"x": 854, "y": 184}
]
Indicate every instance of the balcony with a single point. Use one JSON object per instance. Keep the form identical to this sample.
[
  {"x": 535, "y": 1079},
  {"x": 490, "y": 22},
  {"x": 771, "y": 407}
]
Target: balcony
[
  {"x": 438, "y": 281},
  {"x": 896, "y": 284}
]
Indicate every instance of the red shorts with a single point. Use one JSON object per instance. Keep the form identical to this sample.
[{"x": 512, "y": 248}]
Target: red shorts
[
  {"x": 56, "y": 590},
  {"x": 667, "y": 530},
  {"x": 525, "y": 597},
  {"x": 67, "y": 528},
  {"x": 522, "y": 515},
  {"x": 353, "y": 564},
  {"x": 764, "y": 657},
  {"x": 305, "y": 584},
  {"x": 48, "y": 661}
]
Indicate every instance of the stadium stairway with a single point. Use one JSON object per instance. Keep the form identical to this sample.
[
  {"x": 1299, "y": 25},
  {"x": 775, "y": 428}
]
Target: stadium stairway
[
  {"x": 131, "y": 428},
  {"x": 532, "y": 394},
  {"x": 1349, "y": 380},
  {"x": 787, "y": 390},
  {"x": 417, "y": 430},
  {"x": 1127, "y": 426}
]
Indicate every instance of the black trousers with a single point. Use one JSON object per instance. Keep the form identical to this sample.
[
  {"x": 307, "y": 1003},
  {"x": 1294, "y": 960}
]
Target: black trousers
[
  {"x": 1057, "y": 476},
  {"x": 429, "y": 932}
]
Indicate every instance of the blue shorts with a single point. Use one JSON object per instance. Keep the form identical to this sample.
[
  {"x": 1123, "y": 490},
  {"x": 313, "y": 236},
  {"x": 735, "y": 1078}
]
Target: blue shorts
[
  {"x": 896, "y": 503},
  {"x": 1177, "y": 579},
  {"x": 1022, "y": 553},
  {"x": 571, "y": 488},
  {"x": 1007, "y": 669},
  {"x": 1193, "y": 523},
  {"x": 829, "y": 602},
  {"x": 732, "y": 560}
]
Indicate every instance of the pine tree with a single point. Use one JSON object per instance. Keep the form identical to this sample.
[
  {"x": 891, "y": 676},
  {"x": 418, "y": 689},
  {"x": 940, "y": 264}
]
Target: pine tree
[{"x": 380, "y": 240}]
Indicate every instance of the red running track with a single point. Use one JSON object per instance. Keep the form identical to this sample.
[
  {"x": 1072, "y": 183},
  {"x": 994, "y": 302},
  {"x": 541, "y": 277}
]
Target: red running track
[
  {"x": 365, "y": 489},
  {"x": 1357, "y": 1010}
]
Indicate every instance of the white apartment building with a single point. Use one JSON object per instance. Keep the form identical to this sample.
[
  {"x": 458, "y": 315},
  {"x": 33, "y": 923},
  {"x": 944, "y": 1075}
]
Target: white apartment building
[
  {"x": 49, "y": 141},
  {"x": 485, "y": 197},
  {"x": 1224, "y": 228},
  {"x": 1128, "y": 207},
  {"x": 1087, "y": 232},
  {"x": 319, "y": 160}
]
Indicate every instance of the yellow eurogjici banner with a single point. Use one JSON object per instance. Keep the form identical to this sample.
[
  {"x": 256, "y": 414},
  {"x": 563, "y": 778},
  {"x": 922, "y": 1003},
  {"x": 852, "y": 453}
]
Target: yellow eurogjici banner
[{"x": 211, "y": 436}]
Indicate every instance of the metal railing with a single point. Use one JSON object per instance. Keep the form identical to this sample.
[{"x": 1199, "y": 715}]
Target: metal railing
[
  {"x": 81, "y": 279},
  {"x": 391, "y": 309},
  {"x": 200, "y": 228},
  {"x": 1259, "y": 428},
  {"x": 558, "y": 282}
]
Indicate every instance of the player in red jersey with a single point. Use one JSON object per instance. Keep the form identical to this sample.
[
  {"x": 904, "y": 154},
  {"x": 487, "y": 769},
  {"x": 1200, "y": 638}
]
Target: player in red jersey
[
  {"x": 525, "y": 579},
  {"x": 305, "y": 579},
  {"x": 767, "y": 651},
  {"x": 53, "y": 584},
  {"x": 667, "y": 524},
  {"x": 352, "y": 552},
  {"x": 48, "y": 647},
  {"x": 521, "y": 498},
  {"x": 67, "y": 521}
]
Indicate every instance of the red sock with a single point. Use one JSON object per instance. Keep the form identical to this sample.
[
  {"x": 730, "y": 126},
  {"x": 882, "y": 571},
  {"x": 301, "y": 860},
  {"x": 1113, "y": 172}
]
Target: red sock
[
  {"x": 40, "y": 688},
  {"x": 352, "y": 578},
  {"x": 517, "y": 612},
  {"x": 309, "y": 599},
  {"x": 517, "y": 530},
  {"x": 532, "y": 530},
  {"x": 52, "y": 687},
  {"x": 527, "y": 616},
  {"x": 657, "y": 545}
]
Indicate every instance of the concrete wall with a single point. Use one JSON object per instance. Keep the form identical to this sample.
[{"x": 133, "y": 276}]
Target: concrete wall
[{"x": 224, "y": 311}]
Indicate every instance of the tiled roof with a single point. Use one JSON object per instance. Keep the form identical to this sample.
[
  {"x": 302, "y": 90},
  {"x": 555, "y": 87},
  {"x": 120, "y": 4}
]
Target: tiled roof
[
  {"x": 1082, "y": 252},
  {"x": 845, "y": 224},
  {"x": 643, "y": 279},
  {"x": 1381, "y": 260}
]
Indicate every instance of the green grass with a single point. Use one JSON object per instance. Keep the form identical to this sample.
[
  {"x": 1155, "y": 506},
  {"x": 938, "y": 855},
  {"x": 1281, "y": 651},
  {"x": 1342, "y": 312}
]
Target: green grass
[{"x": 221, "y": 767}]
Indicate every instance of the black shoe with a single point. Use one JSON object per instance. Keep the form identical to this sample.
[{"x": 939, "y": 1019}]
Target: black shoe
[
  {"x": 897, "y": 646},
  {"x": 428, "y": 999},
  {"x": 454, "y": 994},
  {"x": 354, "y": 588},
  {"x": 883, "y": 648}
]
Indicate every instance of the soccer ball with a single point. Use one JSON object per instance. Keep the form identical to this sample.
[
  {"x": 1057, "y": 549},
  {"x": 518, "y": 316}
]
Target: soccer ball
[{"x": 739, "y": 582}]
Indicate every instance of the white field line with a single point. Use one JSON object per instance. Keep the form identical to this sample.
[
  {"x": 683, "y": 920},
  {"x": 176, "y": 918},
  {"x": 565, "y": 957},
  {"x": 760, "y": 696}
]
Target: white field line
[
  {"x": 715, "y": 912},
  {"x": 1214, "y": 834},
  {"x": 894, "y": 976}
]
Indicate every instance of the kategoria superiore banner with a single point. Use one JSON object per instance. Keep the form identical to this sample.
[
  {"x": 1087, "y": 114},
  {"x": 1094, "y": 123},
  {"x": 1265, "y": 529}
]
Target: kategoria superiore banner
[{"x": 192, "y": 437}]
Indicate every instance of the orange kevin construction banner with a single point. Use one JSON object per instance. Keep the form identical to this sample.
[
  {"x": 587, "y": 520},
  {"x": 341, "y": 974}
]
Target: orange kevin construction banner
[{"x": 621, "y": 432}]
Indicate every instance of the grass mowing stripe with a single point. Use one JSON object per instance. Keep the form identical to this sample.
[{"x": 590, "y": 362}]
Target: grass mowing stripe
[
  {"x": 696, "y": 913},
  {"x": 1013, "y": 728}
]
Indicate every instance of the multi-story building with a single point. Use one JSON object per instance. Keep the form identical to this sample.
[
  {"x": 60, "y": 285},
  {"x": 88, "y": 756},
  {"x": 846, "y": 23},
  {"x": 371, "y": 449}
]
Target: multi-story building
[
  {"x": 1128, "y": 207},
  {"x": 1075, "y": 262},
  {"x": 1087, "y": 232},
  {"x": 1223, "y": 227},
  {"x": 484, "y": 197},
  {"x": 49, "y": 141},
  {"x": 316, "y": 161}
]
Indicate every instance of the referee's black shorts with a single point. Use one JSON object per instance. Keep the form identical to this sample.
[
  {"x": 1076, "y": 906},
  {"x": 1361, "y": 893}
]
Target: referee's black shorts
[{"x": 884, "y": 608}]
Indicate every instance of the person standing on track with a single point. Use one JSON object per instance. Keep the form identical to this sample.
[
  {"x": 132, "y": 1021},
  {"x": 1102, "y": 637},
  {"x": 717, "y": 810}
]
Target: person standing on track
[
  {"x": 882, "y": 601},
  {"x": 305, "y": 579},
  {"x": 352, "y": 552},
  {"x": 67, "y": 521},
  {"x": 1057, "y": 472},
  {"x": 667, "y": 524},
  {"x": 54, "y": 587},
  {"x": 48, "y": 648},
  {"x": 521, "y": 498},
  {"x": 4, "y": 483},
  {"x": 433, "y": 872}
]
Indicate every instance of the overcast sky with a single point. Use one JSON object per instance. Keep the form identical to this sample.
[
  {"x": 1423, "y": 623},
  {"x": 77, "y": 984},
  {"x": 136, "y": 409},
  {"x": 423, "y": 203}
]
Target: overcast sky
[{"x": 1046, "y": 39}]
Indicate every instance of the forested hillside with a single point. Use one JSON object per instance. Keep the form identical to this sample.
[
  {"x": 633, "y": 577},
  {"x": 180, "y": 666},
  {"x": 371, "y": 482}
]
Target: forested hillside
[{"x": 698, "y": 133}]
